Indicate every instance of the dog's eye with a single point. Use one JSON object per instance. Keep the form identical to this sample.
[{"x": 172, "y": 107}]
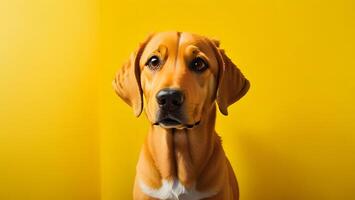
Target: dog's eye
[
  {"x": 153, "y": 62},
  {"x": 198, "y": 65}
]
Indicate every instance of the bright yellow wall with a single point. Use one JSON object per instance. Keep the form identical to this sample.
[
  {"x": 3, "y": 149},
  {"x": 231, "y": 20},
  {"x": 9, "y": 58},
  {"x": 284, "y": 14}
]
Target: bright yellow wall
[
  {"x": 292, "y": 136},
  {"x": 65, "y": 135},
  {"x": 48, "y": 100}
]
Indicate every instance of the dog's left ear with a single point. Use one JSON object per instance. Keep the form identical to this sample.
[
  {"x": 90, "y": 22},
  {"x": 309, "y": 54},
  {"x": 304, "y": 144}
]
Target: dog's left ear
[
  {"x": 127, "y": 81},
  {"x": 232, "y": 85}
]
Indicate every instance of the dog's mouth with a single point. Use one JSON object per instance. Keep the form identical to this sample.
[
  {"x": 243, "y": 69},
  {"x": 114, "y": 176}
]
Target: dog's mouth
[{"x": 170, "y": 122}]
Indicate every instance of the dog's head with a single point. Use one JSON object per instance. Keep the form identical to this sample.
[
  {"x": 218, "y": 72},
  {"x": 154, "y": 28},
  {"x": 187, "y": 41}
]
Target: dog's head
[{"x": 180, "y": 76}]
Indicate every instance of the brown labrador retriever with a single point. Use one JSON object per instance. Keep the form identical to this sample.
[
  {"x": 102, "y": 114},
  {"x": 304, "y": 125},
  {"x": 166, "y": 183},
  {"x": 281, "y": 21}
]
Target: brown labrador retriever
[{"x": 180, "y": 76}]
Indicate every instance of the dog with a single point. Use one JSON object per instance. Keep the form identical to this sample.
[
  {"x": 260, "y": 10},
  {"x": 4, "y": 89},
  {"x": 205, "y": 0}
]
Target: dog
[{"x": 181, "y": 78}]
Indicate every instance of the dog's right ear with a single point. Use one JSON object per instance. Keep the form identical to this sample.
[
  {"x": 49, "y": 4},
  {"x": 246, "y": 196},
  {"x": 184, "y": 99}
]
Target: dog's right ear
[{"x": 127, "y": 81}]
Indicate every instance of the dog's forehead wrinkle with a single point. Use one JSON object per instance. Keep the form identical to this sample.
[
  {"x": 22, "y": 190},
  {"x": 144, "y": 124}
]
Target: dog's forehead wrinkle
[{"x": 177, "y": 48}]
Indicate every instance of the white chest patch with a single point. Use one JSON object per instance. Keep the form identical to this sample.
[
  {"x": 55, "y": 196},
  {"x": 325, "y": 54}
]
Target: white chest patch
[{"x": 174, "y": 190}]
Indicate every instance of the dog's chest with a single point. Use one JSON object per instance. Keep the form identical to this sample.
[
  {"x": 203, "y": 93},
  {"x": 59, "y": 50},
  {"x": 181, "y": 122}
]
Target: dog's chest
[{"x": 174, "y": 190}]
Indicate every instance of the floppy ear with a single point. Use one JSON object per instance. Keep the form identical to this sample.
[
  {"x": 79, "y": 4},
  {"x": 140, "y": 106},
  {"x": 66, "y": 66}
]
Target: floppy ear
[
  {"x": 127, "y": 81},
  {"x": 232, "y": 85}
]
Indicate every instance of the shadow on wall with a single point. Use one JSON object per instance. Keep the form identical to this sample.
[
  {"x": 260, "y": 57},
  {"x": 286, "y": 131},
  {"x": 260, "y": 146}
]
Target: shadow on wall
[
  {"x": 302, "y": 165},
  {"x": 279, "y": 176}
]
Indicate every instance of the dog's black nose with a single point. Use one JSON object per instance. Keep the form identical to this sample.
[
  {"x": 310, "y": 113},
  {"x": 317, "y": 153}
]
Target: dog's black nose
[{"x": 170, "y": 98}]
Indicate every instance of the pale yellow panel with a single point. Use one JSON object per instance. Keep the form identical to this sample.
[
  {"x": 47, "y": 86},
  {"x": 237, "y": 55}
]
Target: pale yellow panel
[{"x": 48, "y": 100}]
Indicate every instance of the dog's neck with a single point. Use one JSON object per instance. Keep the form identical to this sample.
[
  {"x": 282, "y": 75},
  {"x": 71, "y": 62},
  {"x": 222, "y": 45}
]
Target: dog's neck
[{"x": 183, "y": 154}]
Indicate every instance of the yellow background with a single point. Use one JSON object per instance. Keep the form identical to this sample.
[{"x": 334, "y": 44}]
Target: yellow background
[{"x": 64, "y": 135}]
